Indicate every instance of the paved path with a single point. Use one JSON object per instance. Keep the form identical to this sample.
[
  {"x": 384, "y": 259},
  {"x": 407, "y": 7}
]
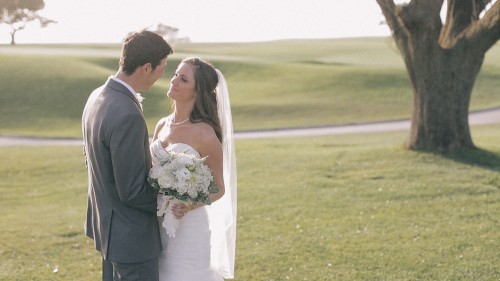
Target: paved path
[{"x": 490, "y": 116}]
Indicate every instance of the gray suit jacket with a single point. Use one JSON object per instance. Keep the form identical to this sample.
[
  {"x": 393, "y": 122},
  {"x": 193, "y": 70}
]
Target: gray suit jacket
[{"x": 121, "y": 211}]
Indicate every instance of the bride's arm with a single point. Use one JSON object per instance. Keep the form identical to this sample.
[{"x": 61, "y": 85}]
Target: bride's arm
[
  {"x": 208, "y": 146},
  {"x": 215, "y": 162}
]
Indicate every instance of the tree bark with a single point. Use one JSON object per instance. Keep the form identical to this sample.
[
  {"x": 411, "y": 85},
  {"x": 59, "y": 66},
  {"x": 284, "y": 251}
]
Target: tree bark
[
  {"x": 442, "y": 62},
  {"x": 442, "y": 92}
]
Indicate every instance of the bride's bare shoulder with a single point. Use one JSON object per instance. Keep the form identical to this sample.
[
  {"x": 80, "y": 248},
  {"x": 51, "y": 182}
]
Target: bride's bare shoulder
[
  {"x": 206, "y": 139},
  {"x": 205, "y": 131}
]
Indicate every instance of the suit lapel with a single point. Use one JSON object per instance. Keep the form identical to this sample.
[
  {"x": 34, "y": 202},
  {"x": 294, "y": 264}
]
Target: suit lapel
[{"x": 118, "y": 87}]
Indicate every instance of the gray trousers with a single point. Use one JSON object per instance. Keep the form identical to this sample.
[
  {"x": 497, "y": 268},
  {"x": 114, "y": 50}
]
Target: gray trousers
[{"x": 142, "y": 271}]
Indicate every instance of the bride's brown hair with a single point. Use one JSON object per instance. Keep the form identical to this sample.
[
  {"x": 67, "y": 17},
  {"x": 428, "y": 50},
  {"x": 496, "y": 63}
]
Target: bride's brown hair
[{"x": 205, "y": 106}]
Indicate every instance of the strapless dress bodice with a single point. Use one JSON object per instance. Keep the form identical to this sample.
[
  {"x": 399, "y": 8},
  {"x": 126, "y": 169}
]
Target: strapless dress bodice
[
  {"x": 183, "y": 148},
  {"x": 157, "y": 149}
]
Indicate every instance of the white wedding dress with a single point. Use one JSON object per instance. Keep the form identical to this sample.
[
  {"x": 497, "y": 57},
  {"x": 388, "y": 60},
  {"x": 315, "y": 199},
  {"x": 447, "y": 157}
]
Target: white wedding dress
[{"x": 187, "y": 256}]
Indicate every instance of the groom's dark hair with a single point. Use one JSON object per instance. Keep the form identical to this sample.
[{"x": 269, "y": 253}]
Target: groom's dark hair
[{"x": 140, "y": 48}]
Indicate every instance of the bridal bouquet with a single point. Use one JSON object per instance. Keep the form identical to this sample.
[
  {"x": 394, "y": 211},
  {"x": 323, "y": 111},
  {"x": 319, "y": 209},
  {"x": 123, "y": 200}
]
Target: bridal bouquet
[{"x": 180, "y": 178}]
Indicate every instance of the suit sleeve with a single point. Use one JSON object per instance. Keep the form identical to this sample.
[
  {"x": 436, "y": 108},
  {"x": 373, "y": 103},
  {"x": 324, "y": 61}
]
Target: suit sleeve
[{"x": 130, "y": 163}]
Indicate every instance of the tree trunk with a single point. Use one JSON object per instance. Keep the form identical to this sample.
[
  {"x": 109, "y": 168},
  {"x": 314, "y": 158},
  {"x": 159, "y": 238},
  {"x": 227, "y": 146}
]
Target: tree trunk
[
  {"x": 442, "y": 84},
  {"x": 12, "y": 37}
]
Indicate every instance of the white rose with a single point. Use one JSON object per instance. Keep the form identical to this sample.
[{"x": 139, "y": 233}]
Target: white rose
[
  {"x": 181, "y": 188},
  {"x": 183, "y": 174},
  {"x": 192, "y": 193},
  {"x": 166, "y": 168},
  {"x": 165, "y": 181},
  {"x": 156, "y": 171}
]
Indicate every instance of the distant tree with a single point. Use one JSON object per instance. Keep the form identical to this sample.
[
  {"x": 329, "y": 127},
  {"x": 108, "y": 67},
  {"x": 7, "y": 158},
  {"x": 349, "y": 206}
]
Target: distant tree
[
  {"x": 167, "y": 32},
  {"x": 442, "y": 61},
  {"x": 17, "y": 13}
]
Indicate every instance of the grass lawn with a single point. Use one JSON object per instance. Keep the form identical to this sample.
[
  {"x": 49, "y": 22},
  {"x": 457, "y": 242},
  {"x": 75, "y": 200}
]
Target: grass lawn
[{"x": 350, "y": 207}]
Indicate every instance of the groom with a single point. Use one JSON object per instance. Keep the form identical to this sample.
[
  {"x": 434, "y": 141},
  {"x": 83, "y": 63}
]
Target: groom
[{"x": 121, "y": 211}]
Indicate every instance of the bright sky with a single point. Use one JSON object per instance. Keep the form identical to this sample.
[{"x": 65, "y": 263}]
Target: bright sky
[{"x": 82, "y": 21}]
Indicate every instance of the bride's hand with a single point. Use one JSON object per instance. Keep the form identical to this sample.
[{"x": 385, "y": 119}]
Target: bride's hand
[{"x": 179, "y": 210}]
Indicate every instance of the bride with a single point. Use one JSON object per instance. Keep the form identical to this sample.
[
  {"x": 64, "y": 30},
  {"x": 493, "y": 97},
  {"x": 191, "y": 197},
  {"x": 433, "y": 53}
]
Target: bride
[{"x": 201, "y": 125}]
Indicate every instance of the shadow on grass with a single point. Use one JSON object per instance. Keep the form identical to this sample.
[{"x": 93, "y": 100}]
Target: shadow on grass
[{"x": 477, "y": 157}]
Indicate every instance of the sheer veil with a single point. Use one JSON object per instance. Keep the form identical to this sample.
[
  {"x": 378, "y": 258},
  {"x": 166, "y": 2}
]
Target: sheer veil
[{"x": 222, "y": 213}]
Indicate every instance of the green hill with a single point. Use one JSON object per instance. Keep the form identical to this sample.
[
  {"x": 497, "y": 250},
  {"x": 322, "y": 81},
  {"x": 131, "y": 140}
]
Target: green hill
[{"x": 278, "y": 84}]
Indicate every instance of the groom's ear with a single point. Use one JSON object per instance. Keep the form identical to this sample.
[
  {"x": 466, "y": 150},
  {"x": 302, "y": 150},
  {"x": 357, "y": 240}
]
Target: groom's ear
[{"x": 146, "y": 68}]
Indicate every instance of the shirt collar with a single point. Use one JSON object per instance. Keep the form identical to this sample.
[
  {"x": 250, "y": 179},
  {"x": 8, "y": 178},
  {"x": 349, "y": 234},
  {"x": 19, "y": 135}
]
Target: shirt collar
[{"x": 124, "y": 84}]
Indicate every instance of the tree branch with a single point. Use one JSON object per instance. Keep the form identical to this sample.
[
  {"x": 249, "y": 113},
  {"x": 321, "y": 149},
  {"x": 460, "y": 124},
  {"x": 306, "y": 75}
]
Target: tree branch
[
  {"x": 479, "y": 6},
  {"x": 419, "y": 11},
  {"x": 390, "y": 12},
  {"x": 423, "y": 15},
  {"x": 459, "y": 16},
  {"x": 463, "y": 24},
  {"x": 486, "y": 31},
  {"x": 400, "y": 34}
]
